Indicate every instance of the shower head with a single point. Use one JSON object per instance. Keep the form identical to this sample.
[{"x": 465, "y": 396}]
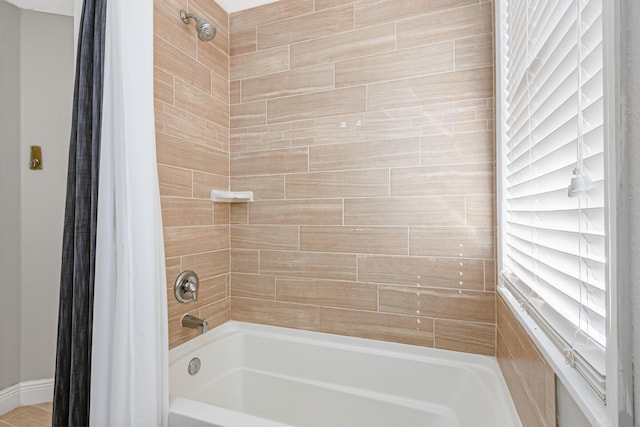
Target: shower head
[{"x": 206, "y": 31}]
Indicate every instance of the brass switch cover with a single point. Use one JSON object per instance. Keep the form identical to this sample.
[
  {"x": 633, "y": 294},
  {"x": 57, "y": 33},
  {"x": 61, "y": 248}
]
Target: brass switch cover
[{"x": 36, "y": 158}]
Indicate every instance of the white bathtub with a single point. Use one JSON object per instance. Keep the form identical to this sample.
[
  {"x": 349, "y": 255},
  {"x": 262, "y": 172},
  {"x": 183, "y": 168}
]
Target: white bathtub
[{"x": 255, "y": 375}]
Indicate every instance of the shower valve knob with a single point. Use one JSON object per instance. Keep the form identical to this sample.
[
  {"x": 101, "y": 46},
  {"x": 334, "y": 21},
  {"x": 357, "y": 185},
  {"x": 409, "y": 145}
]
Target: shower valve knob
[{"x": 186, "y": 287}]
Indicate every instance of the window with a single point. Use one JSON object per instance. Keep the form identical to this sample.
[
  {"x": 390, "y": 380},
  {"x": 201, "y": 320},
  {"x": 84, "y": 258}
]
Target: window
[{"x": 552, "y": 216}]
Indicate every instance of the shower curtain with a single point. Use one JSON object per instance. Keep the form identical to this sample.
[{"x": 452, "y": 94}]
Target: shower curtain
[
  {"x": 73, "y": 354},
  {"x": 129, "y": 375},
  {"x": 128, "y": 367}
]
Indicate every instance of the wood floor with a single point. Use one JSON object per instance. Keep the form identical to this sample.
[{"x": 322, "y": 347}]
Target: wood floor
[{"x": 28, "y": 416}]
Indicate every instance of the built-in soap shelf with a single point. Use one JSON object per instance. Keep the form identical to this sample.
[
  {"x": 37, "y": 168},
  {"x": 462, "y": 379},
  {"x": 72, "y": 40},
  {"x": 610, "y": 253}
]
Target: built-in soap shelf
[{"x": 231, "y": 196}]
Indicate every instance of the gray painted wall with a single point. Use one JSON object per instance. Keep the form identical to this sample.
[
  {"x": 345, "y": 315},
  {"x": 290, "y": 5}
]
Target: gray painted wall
[
  {"x": 633, "y": 167},
  {"x": 9, "y": 194},
  {"x": 47, "y": 70}
]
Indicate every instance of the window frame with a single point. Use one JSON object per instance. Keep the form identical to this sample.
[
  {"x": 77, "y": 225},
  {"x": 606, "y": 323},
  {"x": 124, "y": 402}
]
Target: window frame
[{"x": 619, "y": 394}]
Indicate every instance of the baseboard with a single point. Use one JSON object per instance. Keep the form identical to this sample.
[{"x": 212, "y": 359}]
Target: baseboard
[
  {"x": 26, "y": 393},
  {"x": 9, "y": 398}
]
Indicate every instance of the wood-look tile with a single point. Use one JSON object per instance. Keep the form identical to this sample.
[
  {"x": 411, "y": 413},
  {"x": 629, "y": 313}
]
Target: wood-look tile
[
  {"x": 474, "y": 52},
  {"x": 301, "y": 212},
  {"x": 173, "y": 151},
  {"x": 305, "y": 27},
  {"x": 253, "y": 286},
  {"x": 396, "y": 65},
  {"x": 472, "y": 306},
  {"x": 365, "y": 240},
  {"x": 326, "y": 4},
  {"x": 528, "y": 412},
  {"x": 177, "y": 212},
  {"x": 407, "y": 211},
  {"x": 216, "y": 313},
  {"x": 527, "y": 359},
  {"x": 472, "y": 126},
  {"x": 275, "y": 237},
  {"x": 162, "y": 85},
  {"x": 201, "y": 103},
  {"x": 204, "y": 182},
  {"x": 248, "y": 114},
  {"x": 319, "y": 104},
  {"x": 173, "y": 267},
  {"x": 169, "y": 6},
  {"x": 245, "y": 261},
  {"x": 275, "y": 313},
  {"x": 365, "y": 183},
  {"x": 275, "y": 143},
  {"x": 212, "y": 11},
  {"x": 443, "y": 180},
  {"x": 422, "y": 272},
  {"x": 373, "y": 13},
  {"x": 451, "y": 24},
  {"x": 209, "y": 264},
  {"x": 365, "y": 155},
  {"x": 174, "y": 181},
  {"x": 272, "y": 12},
  {"x": 415, "y": 330},
  {"x": 27, "y": 416},
  {"x": 338, "y": 47},
  {"x": 259, "y": 63},
  {"x": 221, "y": 213},
  {"x": 263, "y": 187},
  {"x": 480, "y": 210},
  {"x": 174, "y": 31},
  {"x": 47, "y": 406},
  {"x": 194, "y": 240},
  {"x": 214, "y": 59},
  {"x": 457, "y": 148},
  {"x": 432, "y": 89},
  {"x": 331, "y": 293},
  {"x": 235, "y": 92},
  {"x": 308, "y": 264},
  {"x": 244, "y": 42},
  {"x": 187, "y": 126},
  {"x": 175, "y": 62},
  {"x": 287, "y": 83},
  {"x": 478, "y": 338},
  {"x": 239, "y": 213},
  {"x": 269, "y": 162},
  {"x": 464, "y": 242}
]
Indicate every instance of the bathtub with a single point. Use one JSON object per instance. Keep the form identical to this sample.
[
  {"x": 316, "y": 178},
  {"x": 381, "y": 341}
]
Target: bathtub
[{"x": 256, "y": 375}]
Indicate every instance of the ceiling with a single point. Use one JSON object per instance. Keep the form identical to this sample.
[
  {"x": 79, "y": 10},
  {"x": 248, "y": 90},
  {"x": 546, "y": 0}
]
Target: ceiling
[
  {"x": 65, "y": 7},
  {"x": 59, "y": 7}
]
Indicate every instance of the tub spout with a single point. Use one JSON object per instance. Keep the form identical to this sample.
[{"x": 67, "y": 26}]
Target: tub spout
[{"x": 189, "y": 321}]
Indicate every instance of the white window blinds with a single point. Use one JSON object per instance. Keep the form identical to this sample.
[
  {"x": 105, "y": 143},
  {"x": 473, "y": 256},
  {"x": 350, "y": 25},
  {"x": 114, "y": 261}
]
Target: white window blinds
[{"x": 553, "y": 234}]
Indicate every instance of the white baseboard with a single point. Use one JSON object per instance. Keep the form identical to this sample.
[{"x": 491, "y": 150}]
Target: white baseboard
[{"x": 26, "y": 393}]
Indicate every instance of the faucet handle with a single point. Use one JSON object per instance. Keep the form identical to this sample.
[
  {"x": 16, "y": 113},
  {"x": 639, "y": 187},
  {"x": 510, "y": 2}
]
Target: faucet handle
[
  {"x": 190, "y": 286},
  {"x": 186, "y": 287}
]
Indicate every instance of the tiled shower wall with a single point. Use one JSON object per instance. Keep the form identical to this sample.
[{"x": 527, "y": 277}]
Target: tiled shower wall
[
  {"x": 530, "y": 378},
  {"x": 192, "y": 137},
  {"x": 365, "y": 129}
]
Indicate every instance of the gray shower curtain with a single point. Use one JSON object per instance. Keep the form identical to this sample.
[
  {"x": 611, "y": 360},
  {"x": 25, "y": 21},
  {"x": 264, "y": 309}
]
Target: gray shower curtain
[{"x": 75, "y": 315}]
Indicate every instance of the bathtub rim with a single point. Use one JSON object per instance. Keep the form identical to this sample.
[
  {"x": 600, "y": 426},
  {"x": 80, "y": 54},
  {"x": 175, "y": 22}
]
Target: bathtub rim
[{"x": 344, "y": 342}]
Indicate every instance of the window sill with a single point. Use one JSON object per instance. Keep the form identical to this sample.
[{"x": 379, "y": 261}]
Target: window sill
[{"x": 585, "y": 398}]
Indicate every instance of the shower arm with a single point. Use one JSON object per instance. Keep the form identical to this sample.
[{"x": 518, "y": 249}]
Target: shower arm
[{"x": 186, "y": 16}]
